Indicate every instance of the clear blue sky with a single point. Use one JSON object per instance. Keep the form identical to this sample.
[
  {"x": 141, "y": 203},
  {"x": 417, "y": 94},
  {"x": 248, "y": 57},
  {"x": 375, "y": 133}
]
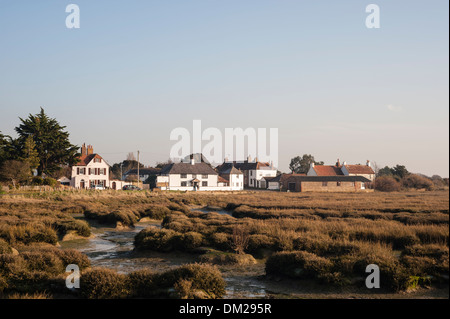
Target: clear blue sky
[{"x": 137, "y": 69}]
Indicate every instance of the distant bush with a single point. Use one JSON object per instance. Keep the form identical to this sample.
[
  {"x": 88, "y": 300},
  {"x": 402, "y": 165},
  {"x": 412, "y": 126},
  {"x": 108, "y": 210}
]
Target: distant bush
[
  {"x": 102, "y": 283},
  {"x": 37, "y": 181},
  {"x": 221, "y": 258},
  {"x": 50, "y": 182},
  {"x": 417, "y": 181},
  {"x": 387, "y": 184},
  {"x": 126, "y": 218}
]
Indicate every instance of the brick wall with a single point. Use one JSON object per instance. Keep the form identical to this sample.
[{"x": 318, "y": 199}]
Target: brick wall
[{"x": 330, "y": 187}]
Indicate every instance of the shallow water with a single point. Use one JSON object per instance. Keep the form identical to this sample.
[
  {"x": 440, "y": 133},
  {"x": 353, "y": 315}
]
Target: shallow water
[{"x": 113, "y": 248}]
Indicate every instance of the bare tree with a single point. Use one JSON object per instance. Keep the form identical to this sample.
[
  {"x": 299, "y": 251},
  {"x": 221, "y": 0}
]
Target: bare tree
[
  {"x": 240, "y": 239},
  {"x": 130, "y": 157}
]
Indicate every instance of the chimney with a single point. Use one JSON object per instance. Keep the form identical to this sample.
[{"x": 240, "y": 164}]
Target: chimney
[
  {"x": 249, "y": 159},
  {"x": 338, "y": 163},
  {"x": 90, "y": 150},
  {"x": 83, "y": 149},
  {"x": 312, "y": 165},
  {"x": 271, "y": 164},
  {"x": 368, "y": 163},
  {"x": 225, "y": 160},
  {"x": 192, "y": 161},
  {"x": 256, "y": 159},
  {"x": 344, "y": 163}
]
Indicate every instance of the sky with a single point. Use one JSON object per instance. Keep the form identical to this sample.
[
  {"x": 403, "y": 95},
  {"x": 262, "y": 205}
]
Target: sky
[{"x": 136, "y": 70}]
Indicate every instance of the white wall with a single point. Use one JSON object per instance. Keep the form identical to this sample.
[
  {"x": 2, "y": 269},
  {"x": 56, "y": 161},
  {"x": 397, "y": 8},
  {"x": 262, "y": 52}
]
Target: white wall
[{"x": 76, "y": 179}]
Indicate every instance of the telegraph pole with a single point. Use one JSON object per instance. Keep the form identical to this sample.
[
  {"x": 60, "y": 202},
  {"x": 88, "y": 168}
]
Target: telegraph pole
[{"x": 138, "y": 168}]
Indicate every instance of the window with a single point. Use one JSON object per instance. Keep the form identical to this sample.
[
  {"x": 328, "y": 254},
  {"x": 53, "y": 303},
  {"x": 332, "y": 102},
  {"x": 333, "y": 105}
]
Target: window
[
  {"x": 338, "y": 183},
  {"x": 97, "y": 160},
  {"x": 82, "y": 171},
  {"x": 204, "y": 183},
  {"x": 251, "y": 173},
  {"x": 324, "y": 184},
  {"x": 205, "y": 176},
  {"x": 183, "y": 175},
  {"x": 183, "y": 183}
]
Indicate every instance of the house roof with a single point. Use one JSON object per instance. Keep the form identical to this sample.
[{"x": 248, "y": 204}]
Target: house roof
[
  {"x": 187, "y": 168},
  {"x": 337, "y": 178},
  {"x": 359, "y": 169},
  {"x": 243, "y": 166},
  {"x": 86, "y": 159},
  {"x": 273, "y": 179},
  {"x": 230, "y": 169},
  {"x": 220, "y": 179},
  {"x": 327, "y": 170}
]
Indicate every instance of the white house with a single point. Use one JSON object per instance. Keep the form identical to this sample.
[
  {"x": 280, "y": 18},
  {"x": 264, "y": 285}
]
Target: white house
[
  {"x": 92, "y": 170},
  {"x": 193, "y": 176},
  {"x": 254, "y": 171}
]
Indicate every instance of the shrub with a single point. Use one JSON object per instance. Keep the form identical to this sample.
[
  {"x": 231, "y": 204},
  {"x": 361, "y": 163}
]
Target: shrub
[
  {"x": 73, "y": 256},
  {"x": 157, "y": 239},
  {"x": 37, "y": 181},
  {"x": 387, "y": 184},
  {"x": 4, "y": 247},
  {"x": 297, "y": 264},
  {"x": 257, "y": 242},
  {"x": 221, "y": 241},
  {"x": 192, "y": 240},
  {"x": 157, "y": 212},
  {"x": 50, "y": 182},
  {"x": 102, "y": 283},
  {"x": 29, "y": 233},
  {"x": 44, "y": 261},
  {"x": 80, "y": 226},
  {"x": 142, "y": 283},
  {"x": 206, "y": 281},
  {"x": 417, "y": 181}
]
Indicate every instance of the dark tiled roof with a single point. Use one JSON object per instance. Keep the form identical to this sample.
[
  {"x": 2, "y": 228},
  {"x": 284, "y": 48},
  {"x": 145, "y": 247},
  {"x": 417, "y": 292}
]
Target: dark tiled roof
[
  {"x": 273, "y": 179},
  {"x": 339, "y": 178},
  {"x": 243, "y": 166},
  {"x": 230, "y": 169},
  {"x": 198, "y": 158},
  {"x": 187, "y": 168}
]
